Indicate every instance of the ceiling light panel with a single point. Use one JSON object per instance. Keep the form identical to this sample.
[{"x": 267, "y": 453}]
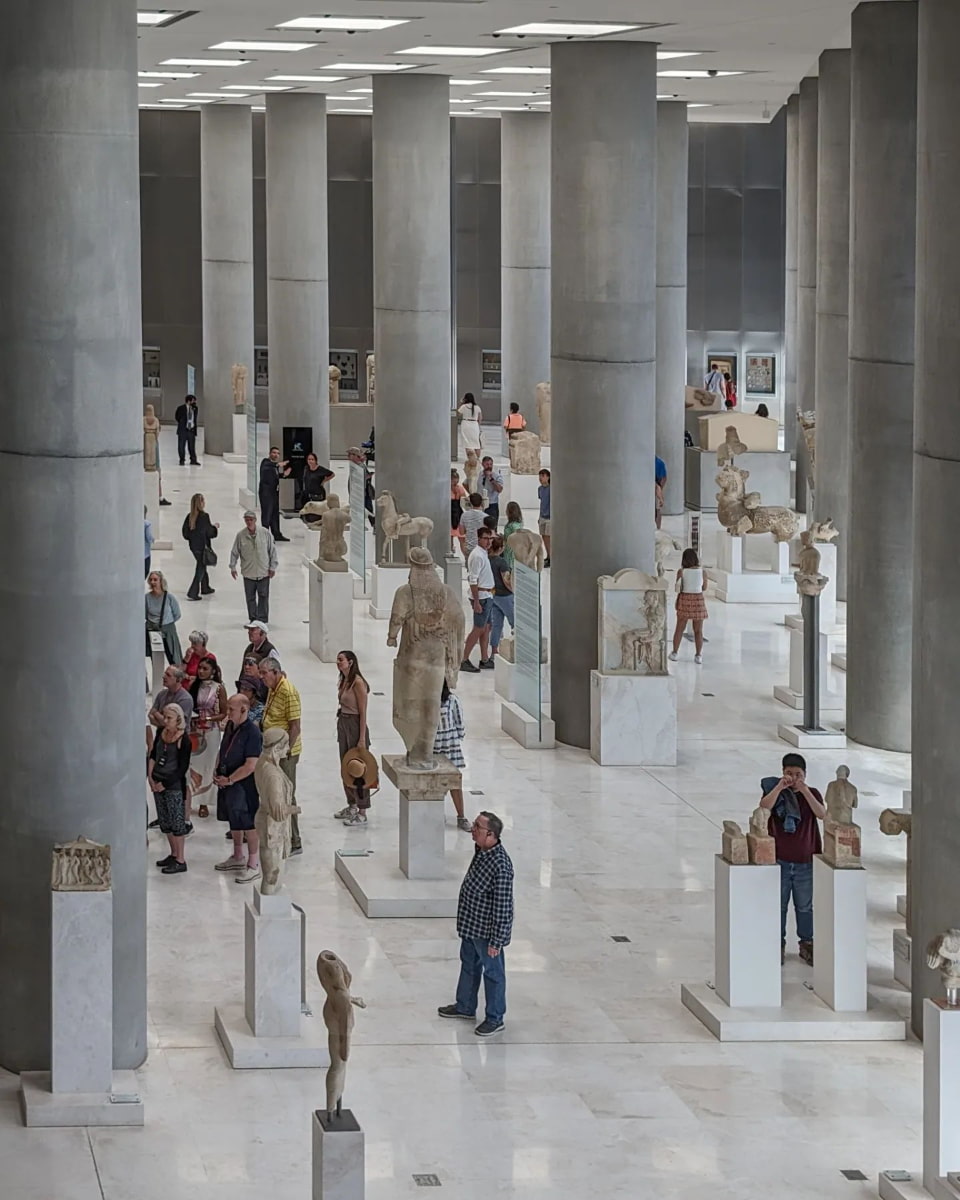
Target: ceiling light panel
[
  {"x": 662, "y": 54},
  {"x": 266, "y": 47},
  {"x": 452, "y": 51},
  {"x": 369, "y": 68},
  {"x": 348, "y": 24},
  {"x": 205, "y": 62},
  {"x": 306, "y": 78},
  {"x": 480, "y": 95},
  {"x": 361, "y": 90},
  {"x": 567, "y": 29},
  {"x": 156, "y": 18},
  {"x": 148, "y": 85},
  {"x": 465, "y": 82},
  {"x": 679, "y": 74},
  {"x": 218, "y": 95},
  {"x": 257, "y": 87},
  {"x": 168, "y": 74},
  {"x": 517, "y": 71}
]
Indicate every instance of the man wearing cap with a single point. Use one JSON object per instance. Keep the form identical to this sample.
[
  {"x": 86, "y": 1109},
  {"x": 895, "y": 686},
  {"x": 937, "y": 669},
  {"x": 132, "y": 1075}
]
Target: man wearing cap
[
  {"x": 282, "y": 710},
  {"x": 254, "y": 549},
  {"x": 259, "y": 646},
  {"x": 361, "y": 779}
]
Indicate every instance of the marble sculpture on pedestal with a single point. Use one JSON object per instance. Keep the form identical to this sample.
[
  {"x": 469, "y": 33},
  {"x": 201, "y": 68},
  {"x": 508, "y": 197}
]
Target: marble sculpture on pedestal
[
  {"x": 808, "y": 427},
  {"x": 334, "y": 384},
  {"x": 841, "y": 838},
  {"x": 335, "y": 979},
  {"x": 471, "y": 472},
  {"x": 399, "y": 525},
  {"x": 331, "y": 520},
  {"x": 371, "y": 378},
  {"x": 238, "y": 384},
  {"x": 762, "y": 847},
  {"x": 741, "y": 512},
  {"x": 632, "y": 623},
  {"x": 824, "y": 531},
  {"x": 272, "y": 821},
  {"x": 80, "y": 866},
  {"x": 151, "y": 435},
  {"x": 943, "y": 954},
  {"x": 527, "y": 548},
  {"x": 809, "y": 580},
  {"x": 663, "y": 545},
  {"x": 734, "y": 845},
  {"x": 524, "y": 453},
  {"x": 893, "y": 822},
  {"x": 428, "y": 617},
  {"x": 544, "y": 414}
]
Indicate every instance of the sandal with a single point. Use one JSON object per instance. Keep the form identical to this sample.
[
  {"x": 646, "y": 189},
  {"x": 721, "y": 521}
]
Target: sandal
[{"x": 203, "y": 811}]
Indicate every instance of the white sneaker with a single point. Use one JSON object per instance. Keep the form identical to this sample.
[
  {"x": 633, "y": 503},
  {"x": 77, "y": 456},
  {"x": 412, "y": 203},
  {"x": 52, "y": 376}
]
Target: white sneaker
[
  {"x": 698, "y": 659},
  {"x": 231, "y": 864},
  {"x": 673, "y": 656},
  {"x": 358, "y": 818},
  {"x": 247, "y": 875},
  {"x": 344, "y": 812}
]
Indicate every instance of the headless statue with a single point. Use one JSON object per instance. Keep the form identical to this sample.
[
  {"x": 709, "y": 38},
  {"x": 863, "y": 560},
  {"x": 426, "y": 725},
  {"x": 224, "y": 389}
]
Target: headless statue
[{"x": 335, "y": 979}]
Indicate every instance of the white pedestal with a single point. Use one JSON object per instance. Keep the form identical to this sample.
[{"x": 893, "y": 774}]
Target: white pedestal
[
  {"x": 522, "y": 488},
  {"x": 747, "y": 934},
  {"x": 505, "y": 677},
  {"x": 382, "y": 890},
  {"x": 792, "y": 695},
  {"x": 830, "y": 738},
  {"x": 385, "y": 582},
  {"x": 158, "y": 662},
  {"x": 453, "y": 572},
  {"x": 903, "y": 958},
  {"x": 736, "y": 584},
  {"x": 633, "y": 720},
  {"x": 528, "y": 731},
  {"x": 839, "y": 660},
  {"x": 840, "y": 936},
  {"x": 331, "y": 611},
  {"x": 941, "y": 1094},
  {"x": 422, "y": 837},
  {"x": 239, "y": 452},
  {"x": 46, "y": 1109},
  {"x": 338, "y": 1172}
]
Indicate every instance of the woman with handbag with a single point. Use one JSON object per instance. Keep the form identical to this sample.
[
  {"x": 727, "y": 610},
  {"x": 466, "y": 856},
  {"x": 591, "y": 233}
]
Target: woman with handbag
[
  {"x": 162, "y": 612},
  {"x": 209, "y": 713},
  {"x": 352, "y": 693},
  {"x": 199, "y": 531}
]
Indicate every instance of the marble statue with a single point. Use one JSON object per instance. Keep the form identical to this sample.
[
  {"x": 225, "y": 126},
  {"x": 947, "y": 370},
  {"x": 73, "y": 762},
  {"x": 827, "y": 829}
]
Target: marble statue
[
  {"x": 151, "y": 439},
  {"x": 809, "y": 580},
  {"x": 524, "y": 453},
  {"x": 893, "y": 822},
  {"x": 238, "y": 382},
  {"x": 333, "y": 521},
  {"x": 841, "y": 837},
  {"x": 544, "y": 414},
  {"x": 80, "y": 866},
  {"x": 430, "y": 616},
  {"x": 664, "y": 545},
  {"x": 272, "y": 821},
  {"x": 808, "y": 427},
  {"x": 760, "y": 844},
  {"x": 335, "y": 375},
  {"x": 824, "y": 531},
  {"x": 632, "y": 623},
  {"x": 471, "y": 472},
  {"x": 731, "y": 447},
  {"x": 943, "y": 954},
  {"x": 734, "y": 845},
  {"x": 399, "y": 525},
  {"x": 335, "y": 979},
  {"x": 740, "y": 512},
  {"x": 527, "y": 548},
  {"x": 371, "y": 364}
]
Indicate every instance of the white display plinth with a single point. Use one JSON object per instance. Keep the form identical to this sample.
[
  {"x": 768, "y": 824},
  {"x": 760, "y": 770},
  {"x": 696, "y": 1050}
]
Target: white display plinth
[
  {"x": 269, "y": 1030},
  {"x": 747, "y": 934},
  {"x": 422, "y": 836},
  {"x": 840, "y": 936},
  {"x": 239, "y": 452},
  {"x": 338, "y": 1170},
  {"x": 903, "y": 958},
  {"x": 453, "y": 572},
  {"x": 505, "y": 680},
  {"x": 829, "y": 619},
  {"x": 45, "y": 1109},
  {"x": 792, "y": 695},
  {"x": 830, "y": 737},
  {"x": 527, "y": 730},
  {"x": 158, "y": 662},
  {"x": 736, "y": 584},
  {"x": 522, "y": 489},
  {"x": 361, "y": 584},
  {"x": 331, "y": 611},
  {"x": 151, "y": 501},
  {"x": 382, "y": 890},
  {"x": 633, "y": 720},
  {"x": 385, "y": 582},
  {"x": 839, "y": 660}
]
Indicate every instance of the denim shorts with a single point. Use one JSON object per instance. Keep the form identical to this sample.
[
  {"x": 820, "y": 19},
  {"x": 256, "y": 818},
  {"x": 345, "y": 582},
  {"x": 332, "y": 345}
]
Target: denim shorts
[{"x": 482, "y": 618}]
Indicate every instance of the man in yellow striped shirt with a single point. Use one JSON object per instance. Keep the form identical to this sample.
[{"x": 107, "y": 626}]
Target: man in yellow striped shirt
[{"x": 282, "y": 711}]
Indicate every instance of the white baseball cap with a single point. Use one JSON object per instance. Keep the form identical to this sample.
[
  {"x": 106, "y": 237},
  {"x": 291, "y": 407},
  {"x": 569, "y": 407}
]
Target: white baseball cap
[{"x": 257, "y": 625}]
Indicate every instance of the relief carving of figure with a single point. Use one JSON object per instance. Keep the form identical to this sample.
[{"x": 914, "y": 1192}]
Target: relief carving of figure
[
  {"x": 80, "y": 866},
  {"x": 524, "y": 453}
]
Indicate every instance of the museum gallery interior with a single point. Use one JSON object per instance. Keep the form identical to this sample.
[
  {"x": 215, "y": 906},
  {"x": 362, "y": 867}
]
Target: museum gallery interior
[{"x": 384, "y": 837}]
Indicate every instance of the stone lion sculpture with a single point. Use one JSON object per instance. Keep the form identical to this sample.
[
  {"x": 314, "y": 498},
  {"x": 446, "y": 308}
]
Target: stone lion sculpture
[{"x": 740, "y": 512}]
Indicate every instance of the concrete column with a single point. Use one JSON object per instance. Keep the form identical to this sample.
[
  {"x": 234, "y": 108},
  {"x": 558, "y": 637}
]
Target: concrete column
[
  {"x": 411, "y": 289},
  {"x": 806, "y": 342},
  {"x": 71, "y": 487},
  {"x": 833, "y": 286},
  {"x": 297, "y": 306},
  {"x": 883, "y": 110},
  {"x": 603, "y": 333},
  {"x": 936, "y": 464},
  {"x": 524, "y": 258},
  {"x": 226, "y": 220},
  {"x": 790, "y": 261},
  {"x": 672, "y": 187}
]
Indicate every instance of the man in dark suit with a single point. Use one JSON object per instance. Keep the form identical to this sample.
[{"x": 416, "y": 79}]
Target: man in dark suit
[
  {"x": 271, "y": 471},
  {"x": 186, "y": 416}
]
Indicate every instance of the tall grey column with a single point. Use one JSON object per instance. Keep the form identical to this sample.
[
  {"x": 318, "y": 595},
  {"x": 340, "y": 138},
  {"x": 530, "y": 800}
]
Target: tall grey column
[
  {"x": 411, "y": 289},
  {"x": 883, "y": 110},
  {"x": 806, "y": 271},
  {"x": 298, "y": 314},
  {"x": 672, "y": 187},
  {"x": 226, "y": 217},
  {"x": 524, "y": 258},
  {"x": 603, "y": 333},
  {"x": 936, "y": 464},
  {"x": 790, "y": 275},
  {"x": 833, "y": 287},
  {"x": 71, "y": 489}
]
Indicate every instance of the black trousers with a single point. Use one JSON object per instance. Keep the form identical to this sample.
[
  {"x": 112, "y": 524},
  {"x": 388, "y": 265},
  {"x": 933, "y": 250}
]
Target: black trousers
[
  {"x": 201, "y": 581},
  {"x": 270, "y": 511},
  {"x": 257, "y": 592},
  {"x": 187, "y": 440}
]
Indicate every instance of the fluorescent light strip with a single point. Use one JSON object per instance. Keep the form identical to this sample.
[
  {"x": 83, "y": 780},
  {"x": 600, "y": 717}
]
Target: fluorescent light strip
[
  {"x": 361, "y": 90},
  {"x": 148, "y": 85},
  {"x": 452, "y": 51},
  {"x": 268, "y": 47},
  {"x": 480, "y": 95},
  {"x": 205, "y": 62},
  {"x": 369, "y": 68},
  {"x": 517, "y": 71},
  {"x": 696, "y": 74},
  {"x": 567, "y": 29},
  {"x": 348, "y": 99},
  {"x": 181, "y": 103},
  {"x": 465, "y": 82},
  {"x": 257, "y": 87},
  {"x": 168, "y": 74},
  {"x": 305, "y": 78},
  {"x": 218, "y": 95},
  {"x": 662, "y": 54},
  {"x": 155, "y": 19},
  {"x": 350, "y": 24}
]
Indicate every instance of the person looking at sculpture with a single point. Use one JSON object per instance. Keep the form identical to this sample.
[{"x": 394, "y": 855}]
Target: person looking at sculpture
[
  {"x": 480, "y": 579},
  {"x": 514, "y": 522},
  {"x": 691, "y": 606},
  {"x": 470, "y": 522},
  {"x": 449, "y": 742},
  {"x": 198, "y": 532},
  {"x": 282, "y": 710},
  {"x": 188, "y": 420},
  {"x": 491, "y": 485},
  {"x": 237, "y": 800},
  {"x": 469, "y": 417},
  {"x": 167, "y": 768},
  {"x": 172, "y": 692},
  {"x": 259, "y": 647},
  {"x": 543, "y": 495},
  {"x": 458, "y": 493},
  {"x": 502, "y": 607},
  {"x": 272, "y": 470},
  {"x": 514, "y": 421},
  {"x": 352, "y": 694},
  {"x": 485, "y": 926},
  {"x": 161, "y": 613},
  {"x": 196, "y": 654},
  {"x": 794, "y": 811},
  {"x": 254, "y": 549},
  {"x": 313, "y": 484},
  {"x": 209, "y": 712}
]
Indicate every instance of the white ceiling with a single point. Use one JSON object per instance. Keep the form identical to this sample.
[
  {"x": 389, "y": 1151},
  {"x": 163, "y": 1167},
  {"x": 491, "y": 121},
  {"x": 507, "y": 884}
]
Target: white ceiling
[{"x": 776, "y": 42}]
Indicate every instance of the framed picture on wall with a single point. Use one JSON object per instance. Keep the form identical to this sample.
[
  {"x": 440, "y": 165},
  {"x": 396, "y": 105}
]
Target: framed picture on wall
[
  {"x": 762, "y": 374},
  {"x": 490, "y": 367},
  {"x": 724, "y": 361},
  {"x": 349, "y": 363}
]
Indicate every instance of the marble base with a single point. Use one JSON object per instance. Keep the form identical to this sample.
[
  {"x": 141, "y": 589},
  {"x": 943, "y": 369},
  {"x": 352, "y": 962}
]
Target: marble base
[
  {"x": 528, "y": 731},
  {"x": 903, "y": 958},
  {"x": 734, "y": 583},
  {"x": 792, "y": 694},
  {"x": 890, "y": 1189},
  {"x": 633, "y": 720},
  {"x": 361, "y": 585},
  {"x": 231, "y": 456},
  {"x": 941, "y": 1093},
  {"x": 273, "y": 966},
  {"x": 801, "y": 1017},
  {"x": 383, "y": 891},
  {"x": 42, "y": 1108},
  {"x": 902, "y": 905},
  {"x": 81, "y": 992},
  {"x": 239, "y": 430},
  {"x": 747, "y": 934},
  {"x": 829, "y": 738},
  {"x": 338, "y": 1156},
  {"x": 385, "y": 582},
  {"x": 453, "y": 566},
  {"x": 523, "y": 489},
  {"x": 839, "y": 660},
  {"x": 331, "y": 611},
  {"x": 308, "y": 1048},
  {"x": 422, "y": 797},
  {"x": 504, "y": 680},
  {"x": 247, "y": 500},
  {"x": 840, "y": 936}
]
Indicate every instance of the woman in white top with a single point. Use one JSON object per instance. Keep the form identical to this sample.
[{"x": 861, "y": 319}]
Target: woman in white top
[
  {"x": 470, "y": 416},
  {"x": 691, "y": 606}
]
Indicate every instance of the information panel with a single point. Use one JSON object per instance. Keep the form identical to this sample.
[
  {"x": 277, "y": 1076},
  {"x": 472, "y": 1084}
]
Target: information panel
[
  {"x": 358, "y": 521},
  {"x": 527, "y": 638},
  {"x": 253, "y": 466}
]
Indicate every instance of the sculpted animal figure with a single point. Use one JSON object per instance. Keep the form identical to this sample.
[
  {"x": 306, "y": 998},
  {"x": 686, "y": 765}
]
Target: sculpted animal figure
[
  {"x": 824, "y": 531},
  {"x": 740, "y": 512},
  {"x": 400, "y": 525},
  {"x": 527, "y": 548},
  {"x": 663, "y": 545}
]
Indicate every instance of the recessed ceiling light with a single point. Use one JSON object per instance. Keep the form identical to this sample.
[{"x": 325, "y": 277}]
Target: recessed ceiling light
[
  {"x": 452, "y": 51},
  {"x": 361, "y": 89},
  {"x": 218, "y": 95},
  {"x": 677, "y": 53},
  {"x": 168, "y": 74},
  {"x": 180, "y": 102},
  {"x": 348, "y": 23},
  {"x": 480, "y": 95},
  {"x": 517, "y": 71},
  {"x": 461, "y": 100},
  {"x": 258, "y": 108},
  {"x": 699, "y": 106},
  {"x": 671, "y": 96},
  {"x": 140, "y": 85},
  {"x": 502, "y": 108},
  {"x": 162, "y": 107},
  {"x": 256, "y": 87},
  {"x": 465, "y": 82},
  {"x": 305, "y": 78},
  {"x": 243, "y": 44},
  {"x": 155, "y": 18},
  {"x": 347, "y": 99},
  {"x": 695, "y": 74},
  {"x": 357, "y": 112},
  {"x": 369, "y": 68},
  {"x": 567, "y": 29},
  {"x": 205, "y": 62}
]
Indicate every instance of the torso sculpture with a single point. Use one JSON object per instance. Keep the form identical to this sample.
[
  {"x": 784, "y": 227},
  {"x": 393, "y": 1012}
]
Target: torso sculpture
[
  {"x": 272, "y": 821},
  {"x": 841, "y": 838},
  {"x": 731, "y": 447},
  {"x": 544, "y": 406},
  {"x": 527, "y": 548},
  {"x": 471, "y": 472},
  {"x": 333, "y": 546},
  {"x": 740, "y": 512},
  {"x": 151, "y": 436},
  {"x": 430, "y": 616},
  {"x": 335, "y": 979},
  {"x": 238, "y": 382},
  {"x": 399, "y": 525},
  {"x": 524, "y": 453},
  {"x": 808, "y": 578},
  {"x": 841, "y": 798}
]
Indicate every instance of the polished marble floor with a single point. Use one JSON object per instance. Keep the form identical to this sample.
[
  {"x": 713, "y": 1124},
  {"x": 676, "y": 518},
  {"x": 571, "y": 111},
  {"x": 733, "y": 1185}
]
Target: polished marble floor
[{"x": 602, "y": 1084}]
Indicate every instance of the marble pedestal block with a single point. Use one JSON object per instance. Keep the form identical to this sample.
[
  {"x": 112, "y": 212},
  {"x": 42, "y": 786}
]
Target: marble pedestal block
[
  {"x": 839, "y": 660},
  {"x": 903, "y": 958},
  {"x": 747, "y": 934},
  {"x": 158, "y": 663},
  {"x": 633, "y": 720},
  {"x": 523, "y": 489},
  {"x": 239, "y": 441},
  {"x": 269, "y": 1030},
  {"x": 792, "y": 694},
  {"x": 385, "y": 582},
  {"x": 830, "y": 737},
  {"x": 331, "y": 611},
  {"x": 338, "y": 1172},
  {"x": 453, "y": 572},
  {"x": 735, "y": 583},
  {"x": 151, "y": 500},
  {"x": 505, "y": 680},
  {"x": 531, "y": 733},
  {"x": 840, "y": 936}
]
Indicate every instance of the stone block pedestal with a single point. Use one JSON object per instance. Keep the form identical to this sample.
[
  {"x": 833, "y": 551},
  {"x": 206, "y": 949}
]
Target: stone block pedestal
[
  {"x": 523, "y": 489},
  {"x": 531, "y": 733},
  {"x": 331, "y": 611},
  {"x": 792, "y": 694},
  {"x": 840, "y": 936},
  {"x": 633, "y": 720},
  {"x": 338, "y": 1169},
  {"x": 385, "y": 582},
  {"x": 736, "y": 584}
]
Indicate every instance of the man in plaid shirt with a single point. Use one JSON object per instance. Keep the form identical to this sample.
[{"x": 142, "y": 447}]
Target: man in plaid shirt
[{"x": 484, "y": 922}]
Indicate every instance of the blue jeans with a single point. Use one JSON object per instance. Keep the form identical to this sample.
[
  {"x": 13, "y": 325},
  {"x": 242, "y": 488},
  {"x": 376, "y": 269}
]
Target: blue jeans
[
  {"x": 797, "y": 878},
  {"x": 476, "y": 963},
  {"x": 502, "y": 607}
]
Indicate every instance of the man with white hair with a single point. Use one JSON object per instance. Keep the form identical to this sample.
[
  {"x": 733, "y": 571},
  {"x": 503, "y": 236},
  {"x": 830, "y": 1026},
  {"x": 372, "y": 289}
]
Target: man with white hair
[{"x": 254, "y": 549}]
